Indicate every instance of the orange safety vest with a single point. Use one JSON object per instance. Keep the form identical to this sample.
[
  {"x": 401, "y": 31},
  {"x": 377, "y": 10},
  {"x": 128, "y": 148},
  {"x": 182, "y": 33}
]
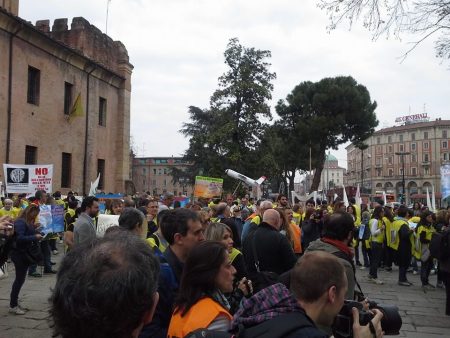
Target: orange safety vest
[
  {"x": 199, "y": 316},
  {"x": 297, "y": 238}
]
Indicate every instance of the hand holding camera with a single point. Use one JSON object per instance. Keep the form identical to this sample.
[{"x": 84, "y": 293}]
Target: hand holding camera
[{"x": 372, "y": 329}]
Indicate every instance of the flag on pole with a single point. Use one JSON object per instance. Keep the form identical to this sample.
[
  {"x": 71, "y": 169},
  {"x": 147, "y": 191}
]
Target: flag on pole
[
  {"x": 384, "y": 198},
  {"x": 428, "y": 200},
  {"x": 77, "y": 108},
  {"x": 358, "y": 197},
  {"x": 345, "y": 196},
  {"x": 94, "y": 185},
  {"x": 433, "y": 199}
]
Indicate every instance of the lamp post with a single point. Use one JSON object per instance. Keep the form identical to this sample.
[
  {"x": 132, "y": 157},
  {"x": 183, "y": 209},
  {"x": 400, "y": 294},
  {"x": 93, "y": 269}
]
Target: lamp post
[{"x": 402, "y": 154}]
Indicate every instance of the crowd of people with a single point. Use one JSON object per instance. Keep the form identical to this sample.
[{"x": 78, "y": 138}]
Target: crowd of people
[{"x": 233, "y": 265}]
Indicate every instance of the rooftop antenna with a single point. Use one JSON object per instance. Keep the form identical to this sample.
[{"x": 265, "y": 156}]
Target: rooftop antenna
[{"x": 107, "y": 15}]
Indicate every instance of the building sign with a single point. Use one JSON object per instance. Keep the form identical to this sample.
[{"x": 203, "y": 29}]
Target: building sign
[
  {"x": 445, "y": 181},
  {"x": 416, "y": 118},
  {"x": 28, "y": 178}
]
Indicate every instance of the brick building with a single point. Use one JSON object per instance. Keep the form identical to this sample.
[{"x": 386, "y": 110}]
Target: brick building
[
  {"x": 43, "y": 69},
  {"x": 153, "y": 174},
  {"x": 427, "y": 147}
]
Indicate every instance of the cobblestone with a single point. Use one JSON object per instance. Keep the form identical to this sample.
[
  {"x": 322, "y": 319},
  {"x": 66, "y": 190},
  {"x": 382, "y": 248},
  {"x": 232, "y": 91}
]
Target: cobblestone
[{"x": 423, "y": 314}]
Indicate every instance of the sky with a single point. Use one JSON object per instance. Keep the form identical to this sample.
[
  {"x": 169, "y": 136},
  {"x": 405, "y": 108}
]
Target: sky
[{"x": 177, "y": 46}]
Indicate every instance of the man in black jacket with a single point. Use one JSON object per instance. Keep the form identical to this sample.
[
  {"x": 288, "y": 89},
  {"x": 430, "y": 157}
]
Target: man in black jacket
[
  {"x": 183, "y": 231},
  {"x": 275, "y": 253}
]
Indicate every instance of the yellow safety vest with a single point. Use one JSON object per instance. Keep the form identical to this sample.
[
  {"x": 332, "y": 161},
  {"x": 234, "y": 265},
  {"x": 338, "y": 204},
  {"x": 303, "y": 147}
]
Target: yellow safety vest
[
  {"x": 429, "y": 233},
  {"x": 380, "y": 237},
  {"x": 234, "y": 253},
  {"x": 394, "y": 238},
  {"x": 387, "y": 229}
]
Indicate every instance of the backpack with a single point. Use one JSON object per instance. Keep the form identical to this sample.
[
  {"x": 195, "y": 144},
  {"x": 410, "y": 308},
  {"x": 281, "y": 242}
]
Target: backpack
[
  {"x": 439, "y": 245},
  {"x": 278, "y": 327}
]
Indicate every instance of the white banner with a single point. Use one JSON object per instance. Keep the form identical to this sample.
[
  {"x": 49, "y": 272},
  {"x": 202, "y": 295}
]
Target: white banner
[{"x": 22, "y": 178}]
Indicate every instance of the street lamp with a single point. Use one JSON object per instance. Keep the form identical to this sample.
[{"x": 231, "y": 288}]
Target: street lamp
[{"x": 402, "y": 154}]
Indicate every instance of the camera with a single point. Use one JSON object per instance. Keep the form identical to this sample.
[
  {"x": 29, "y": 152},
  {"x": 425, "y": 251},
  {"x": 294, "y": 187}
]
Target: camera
[{"x": 391, "y": 322}]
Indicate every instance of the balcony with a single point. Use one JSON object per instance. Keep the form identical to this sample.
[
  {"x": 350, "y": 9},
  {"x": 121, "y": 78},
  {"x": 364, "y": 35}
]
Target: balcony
[{"x": 426, "y": 163}]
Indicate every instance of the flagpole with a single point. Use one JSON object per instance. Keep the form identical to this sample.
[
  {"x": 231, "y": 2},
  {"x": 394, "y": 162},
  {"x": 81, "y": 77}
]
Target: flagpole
[{"x": 107, "y": 15}]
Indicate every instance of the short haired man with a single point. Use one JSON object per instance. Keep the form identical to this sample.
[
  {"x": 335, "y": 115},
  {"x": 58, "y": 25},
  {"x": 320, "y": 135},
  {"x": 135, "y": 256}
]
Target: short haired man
[
  {"x": 273, "y": 250},
  {"x": 84, "y": 229},
  {"x": 282, "y": 201},
  {"x": 314, "y": 302},
  {"x": 255, "y": 219},
  {"x": 183, "y": 231},
  {"x": 105, "y": 288},
  {"x": 337, "y": 234}
]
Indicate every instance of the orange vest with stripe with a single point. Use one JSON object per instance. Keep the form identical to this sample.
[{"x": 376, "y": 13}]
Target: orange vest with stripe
[
  {"x": 199, "y": 316},
  {"x": 297, "y": 237}
]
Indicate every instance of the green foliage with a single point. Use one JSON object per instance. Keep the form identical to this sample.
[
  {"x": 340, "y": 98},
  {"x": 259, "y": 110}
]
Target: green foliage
[
  {"x": 228, "y": 134},
  {"x": 326, "y": 114}
]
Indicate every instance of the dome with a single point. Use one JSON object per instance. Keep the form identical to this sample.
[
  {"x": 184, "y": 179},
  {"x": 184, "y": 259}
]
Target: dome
[{"x": 330, "y": 158}]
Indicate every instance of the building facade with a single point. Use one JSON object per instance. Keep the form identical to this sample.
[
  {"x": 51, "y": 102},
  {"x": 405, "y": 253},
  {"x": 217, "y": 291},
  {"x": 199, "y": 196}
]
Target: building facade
[
  {"x": 412, "y": 153},
  {"x": 43, "y": 71},
  {"x": 154, "y": 174},
  {"x": 332, "y": 174}
]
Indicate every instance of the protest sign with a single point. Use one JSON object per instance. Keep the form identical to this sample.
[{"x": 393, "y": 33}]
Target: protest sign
[
  {"x": 51, "y": 219},
  {"x": 208, "y": 187},
  {"x": 28, "y": 178},
  {"x": 104, "y": 222}
]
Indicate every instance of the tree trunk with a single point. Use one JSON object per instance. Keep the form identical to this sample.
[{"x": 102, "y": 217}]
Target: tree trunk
[{"x": 318, "y": 172}]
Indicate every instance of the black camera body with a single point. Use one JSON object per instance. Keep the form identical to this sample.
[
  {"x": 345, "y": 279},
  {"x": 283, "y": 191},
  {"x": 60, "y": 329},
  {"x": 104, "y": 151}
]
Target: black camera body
[{"x": 391, "y": 322}]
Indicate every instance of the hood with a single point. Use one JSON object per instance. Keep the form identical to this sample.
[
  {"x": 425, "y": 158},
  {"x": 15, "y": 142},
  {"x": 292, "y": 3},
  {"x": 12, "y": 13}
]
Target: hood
[
  {"x": 264, "y": 305},
  {"x": 318, "y": 245}
]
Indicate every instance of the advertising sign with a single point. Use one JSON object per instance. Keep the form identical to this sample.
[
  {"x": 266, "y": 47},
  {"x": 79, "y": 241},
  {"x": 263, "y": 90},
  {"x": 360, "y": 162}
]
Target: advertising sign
[
  {"x": 208, "y": 187},
  {"x": 28, "y": 178},
  {"x": 445, "y": 181}
]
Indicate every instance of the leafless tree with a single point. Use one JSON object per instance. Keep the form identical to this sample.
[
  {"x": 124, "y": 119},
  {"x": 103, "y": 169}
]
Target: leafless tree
[{"x": 394, "y": 17}]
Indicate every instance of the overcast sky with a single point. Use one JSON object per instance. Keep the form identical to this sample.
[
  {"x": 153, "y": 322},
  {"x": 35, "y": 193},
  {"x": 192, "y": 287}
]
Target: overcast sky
[{"x": 176, "y": 47}]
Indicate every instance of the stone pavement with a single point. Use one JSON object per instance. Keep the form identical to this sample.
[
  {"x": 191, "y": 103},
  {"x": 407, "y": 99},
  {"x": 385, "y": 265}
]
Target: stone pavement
[{"x": 422, "y": 313}]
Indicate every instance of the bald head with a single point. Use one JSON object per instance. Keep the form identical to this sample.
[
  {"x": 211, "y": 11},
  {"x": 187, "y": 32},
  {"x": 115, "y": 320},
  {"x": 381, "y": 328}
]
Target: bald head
[{"x": 272, "y": 217}]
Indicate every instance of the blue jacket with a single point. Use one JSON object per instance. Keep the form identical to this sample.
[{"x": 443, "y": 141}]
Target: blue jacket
[
  {"x": 169, "y": 279},
  {"x": 24, "y": 234}
]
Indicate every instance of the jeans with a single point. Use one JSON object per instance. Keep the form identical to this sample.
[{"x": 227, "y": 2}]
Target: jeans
[
  {"x": 357, "y": 252},
  {"x": 21, "y": 273},
  {"x": 366, "y": 254},
  {"x": 377, "y": 251},
  {"x": 45, "y": 249},
  {"x": 446, "y": 279},
  {"x": 425, "y": 270}
]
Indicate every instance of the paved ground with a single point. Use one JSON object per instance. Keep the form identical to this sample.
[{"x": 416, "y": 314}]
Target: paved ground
[{"x": 423, "y": 314}]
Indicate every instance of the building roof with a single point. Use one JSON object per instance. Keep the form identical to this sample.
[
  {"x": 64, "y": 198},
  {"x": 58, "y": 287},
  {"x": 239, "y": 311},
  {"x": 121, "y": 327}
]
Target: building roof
[
  {"x": 435, "y": 123},
  {"x": 30, "y": 26},
  {"x": 330, "y": 157}
]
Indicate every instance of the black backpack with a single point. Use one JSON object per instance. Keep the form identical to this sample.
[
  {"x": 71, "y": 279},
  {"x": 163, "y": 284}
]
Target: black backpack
[
  {"x": 278, "y": 327},
  {"x": 439, "y": 245}
]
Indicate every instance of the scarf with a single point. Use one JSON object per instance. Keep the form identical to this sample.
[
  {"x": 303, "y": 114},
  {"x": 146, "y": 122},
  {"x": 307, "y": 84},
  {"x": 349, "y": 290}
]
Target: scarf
[{"x": 339, "y": 245}]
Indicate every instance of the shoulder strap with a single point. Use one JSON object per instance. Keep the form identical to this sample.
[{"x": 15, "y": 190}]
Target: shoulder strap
[
  {"x": 277, "y": 327},
  {"x": 344, "y": 256},
  {"x": 255, "y": 255}
]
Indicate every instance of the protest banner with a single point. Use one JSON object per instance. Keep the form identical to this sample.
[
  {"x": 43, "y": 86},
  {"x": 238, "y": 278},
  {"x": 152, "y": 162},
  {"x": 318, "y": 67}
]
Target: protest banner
[
  {"x": 104, "y": 222},
  {"x": 51, "y": 219},
  {"x": 28, "y": 178},
  {"x": 208, "y": 187}
]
